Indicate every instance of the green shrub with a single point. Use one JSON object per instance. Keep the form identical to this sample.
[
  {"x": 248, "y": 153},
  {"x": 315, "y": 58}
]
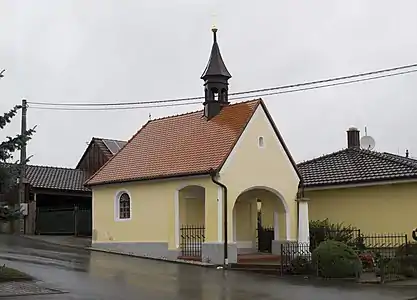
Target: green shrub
[
  {"x": 405, "y": 265},
  {"x": 301, "y": 265},
  {"x": 333, "y": 259},
  {"x": 322, "y": 230}
]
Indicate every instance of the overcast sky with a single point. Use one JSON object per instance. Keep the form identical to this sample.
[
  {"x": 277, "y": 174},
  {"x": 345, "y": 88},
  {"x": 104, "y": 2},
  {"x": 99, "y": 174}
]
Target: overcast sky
[{"x": 130, "y": 50}]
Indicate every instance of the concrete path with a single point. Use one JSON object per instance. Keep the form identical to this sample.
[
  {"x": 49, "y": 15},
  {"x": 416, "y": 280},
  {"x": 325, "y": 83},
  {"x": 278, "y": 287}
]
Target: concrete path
[{"x": 94, "y": 275}]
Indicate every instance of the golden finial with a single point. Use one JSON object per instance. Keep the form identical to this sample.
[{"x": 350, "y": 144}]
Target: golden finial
[{"x": 214, "y": 18}]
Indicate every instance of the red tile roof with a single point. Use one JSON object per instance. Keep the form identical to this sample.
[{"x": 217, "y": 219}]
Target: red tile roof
[{"x": 178, "y": 145}]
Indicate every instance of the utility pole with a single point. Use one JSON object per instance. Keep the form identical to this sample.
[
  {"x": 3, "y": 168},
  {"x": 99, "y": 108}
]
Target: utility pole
[{"x": 22, "y": 173}]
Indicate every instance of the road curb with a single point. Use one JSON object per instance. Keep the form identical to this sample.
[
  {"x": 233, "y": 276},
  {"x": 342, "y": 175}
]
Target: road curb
[{"x": 177, "y": 261}]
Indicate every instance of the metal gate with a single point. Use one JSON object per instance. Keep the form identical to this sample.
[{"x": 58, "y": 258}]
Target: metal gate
[
  {"x": 192, "y": 239},
  {"x": 265, "y": 238},
  {"x": 64, "y": 221}
]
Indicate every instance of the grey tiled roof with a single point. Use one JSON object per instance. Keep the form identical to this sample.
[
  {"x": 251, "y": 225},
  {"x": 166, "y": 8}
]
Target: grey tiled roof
[
  {"x": 56, "y": 178},
  {"x": 350, "y": 166}
]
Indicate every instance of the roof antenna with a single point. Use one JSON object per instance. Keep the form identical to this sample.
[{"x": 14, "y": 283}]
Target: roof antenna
[
  {"x": 407, "y": 153},
  {"x": 150, "y": 116}
]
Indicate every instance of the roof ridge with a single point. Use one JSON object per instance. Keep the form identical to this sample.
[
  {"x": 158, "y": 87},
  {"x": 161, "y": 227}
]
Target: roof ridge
[
  {"x": 404, "y": 158},
  {"x": 111, "y": 158},
  {"x": 201, "y": 110},
  {"x": 42, "y": 166},
  {"x": 323, "y": 156},
  {"x": 53, "y": 167},
  {"x": 389, "y": 157},
  {"x": 116, "y": 140}
]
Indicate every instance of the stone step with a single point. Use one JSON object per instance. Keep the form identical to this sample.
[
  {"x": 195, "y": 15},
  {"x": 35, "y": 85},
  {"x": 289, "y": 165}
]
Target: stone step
[{"x": 256, "y": 266}]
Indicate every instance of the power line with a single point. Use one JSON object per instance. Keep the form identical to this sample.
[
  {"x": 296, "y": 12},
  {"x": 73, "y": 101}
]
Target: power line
[
  {"x": 236, "y": 93},
  {"x": 233, "y": 98}
]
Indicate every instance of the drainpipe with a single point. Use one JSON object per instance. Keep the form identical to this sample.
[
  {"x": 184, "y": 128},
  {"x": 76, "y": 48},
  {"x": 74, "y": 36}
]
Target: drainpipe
[{"x": 213, "y": 175}]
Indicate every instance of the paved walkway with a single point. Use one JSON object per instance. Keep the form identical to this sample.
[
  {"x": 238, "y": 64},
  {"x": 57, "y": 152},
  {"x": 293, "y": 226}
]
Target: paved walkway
[{"x": 95, "y": 275}]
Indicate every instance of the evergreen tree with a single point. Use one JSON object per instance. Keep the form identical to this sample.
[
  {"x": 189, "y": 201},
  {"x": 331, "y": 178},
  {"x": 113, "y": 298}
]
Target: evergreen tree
[{"x": 9, "y": 171}]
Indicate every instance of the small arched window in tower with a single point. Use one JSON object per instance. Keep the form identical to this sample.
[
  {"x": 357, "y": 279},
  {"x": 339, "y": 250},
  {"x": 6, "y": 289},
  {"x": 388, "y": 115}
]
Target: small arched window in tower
[
  {"x": 223, "y": 95},
  {"x": 215, "y": 94},
  {"x": 261, "y": 143}
]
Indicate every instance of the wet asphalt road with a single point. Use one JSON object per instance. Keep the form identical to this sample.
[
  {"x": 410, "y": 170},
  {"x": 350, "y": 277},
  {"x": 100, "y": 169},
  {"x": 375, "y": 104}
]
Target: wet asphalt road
[{"x": 95, "y": 275}]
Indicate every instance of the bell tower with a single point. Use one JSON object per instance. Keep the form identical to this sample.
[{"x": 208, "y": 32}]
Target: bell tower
[{"x": 216, "y": 77}]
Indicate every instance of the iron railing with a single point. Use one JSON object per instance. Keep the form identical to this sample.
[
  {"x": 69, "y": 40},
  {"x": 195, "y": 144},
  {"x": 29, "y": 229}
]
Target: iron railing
[{"x": 192, "y": 239}]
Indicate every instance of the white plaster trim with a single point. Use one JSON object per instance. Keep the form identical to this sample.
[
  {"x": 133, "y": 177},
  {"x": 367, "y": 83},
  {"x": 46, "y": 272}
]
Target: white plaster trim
[
  {"x": 219, "y": 213},
  {"x": 276, "y": 225},
  {"x": 234, "y": 222},
  {"x": 279, "y": 195},
  {"x": 239, "y": 142},
  {"x": 117, "y": 205},
  {"x": 177, "y": 208},
  {"x": 347, "y": 186},
  {"x": 244, "y": 244},
  {"x": 92, "y": 210},
  {"x": 269, "y": 189},
  {"x": 303, "y": 223},
  {"x": 177, "y": 218},
  {"x": 189, "y": 184},
  {"x": 287, "y": 225}
]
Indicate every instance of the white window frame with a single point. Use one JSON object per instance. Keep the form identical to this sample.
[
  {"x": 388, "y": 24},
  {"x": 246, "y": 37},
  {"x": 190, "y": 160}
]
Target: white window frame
[{"x": 117, "y": 206}]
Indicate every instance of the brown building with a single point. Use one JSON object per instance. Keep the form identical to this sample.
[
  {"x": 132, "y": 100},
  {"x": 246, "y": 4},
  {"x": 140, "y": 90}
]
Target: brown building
[{"x": 57, "y": 200}]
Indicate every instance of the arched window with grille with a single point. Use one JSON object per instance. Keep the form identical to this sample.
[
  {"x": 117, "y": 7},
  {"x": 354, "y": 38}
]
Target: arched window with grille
[{"x": 123, "y": 206}]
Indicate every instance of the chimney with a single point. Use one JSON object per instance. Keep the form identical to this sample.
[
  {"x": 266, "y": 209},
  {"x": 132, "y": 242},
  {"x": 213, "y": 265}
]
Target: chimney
[
  {"x": 407, "y": 153},
  {"x": 353, "y": 139}
]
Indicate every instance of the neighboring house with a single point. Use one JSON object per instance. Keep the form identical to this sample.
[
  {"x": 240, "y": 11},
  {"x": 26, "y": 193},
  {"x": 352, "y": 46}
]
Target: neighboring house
[
  {"x": 98, "y": 152},
  {"x": 181, "y": 180},
  {"x": 54, "y": 193},
  {"x": 51, "y": 193},
  {"x": 377, "y": 192}
]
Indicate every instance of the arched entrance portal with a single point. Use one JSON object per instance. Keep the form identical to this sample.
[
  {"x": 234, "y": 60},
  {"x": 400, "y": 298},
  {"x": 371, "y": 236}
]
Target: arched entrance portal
[
  {"x": 260, "y": 215},
  {"x": 191, "y": 219}
]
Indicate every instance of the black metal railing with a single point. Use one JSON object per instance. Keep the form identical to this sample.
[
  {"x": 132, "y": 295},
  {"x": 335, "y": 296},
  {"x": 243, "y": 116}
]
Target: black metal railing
[
  {"x": 295, "y": 258},
  {"x": 192, "y": 239},
  {"x": 385, "y": 245},
  {"x": 390, "y": 255},
  {"x": 264, "y": 238},
  {"x": 348, "y": 236}
]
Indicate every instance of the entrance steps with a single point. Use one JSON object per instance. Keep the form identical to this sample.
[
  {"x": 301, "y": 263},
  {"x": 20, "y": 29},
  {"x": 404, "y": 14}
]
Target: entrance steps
[
  {"x": 258, "y": 257},
  {"x": 264, "y": 268},
  {"x": 264, "y": 263}
]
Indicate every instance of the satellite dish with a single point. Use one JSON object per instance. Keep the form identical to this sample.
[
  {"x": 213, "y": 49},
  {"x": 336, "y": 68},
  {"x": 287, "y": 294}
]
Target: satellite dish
[{"x": 367, "y": 142}]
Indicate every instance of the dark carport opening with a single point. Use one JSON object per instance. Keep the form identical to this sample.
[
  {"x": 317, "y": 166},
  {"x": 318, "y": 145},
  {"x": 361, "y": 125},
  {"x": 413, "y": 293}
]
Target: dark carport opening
[{"x": 63, "y": 214}]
